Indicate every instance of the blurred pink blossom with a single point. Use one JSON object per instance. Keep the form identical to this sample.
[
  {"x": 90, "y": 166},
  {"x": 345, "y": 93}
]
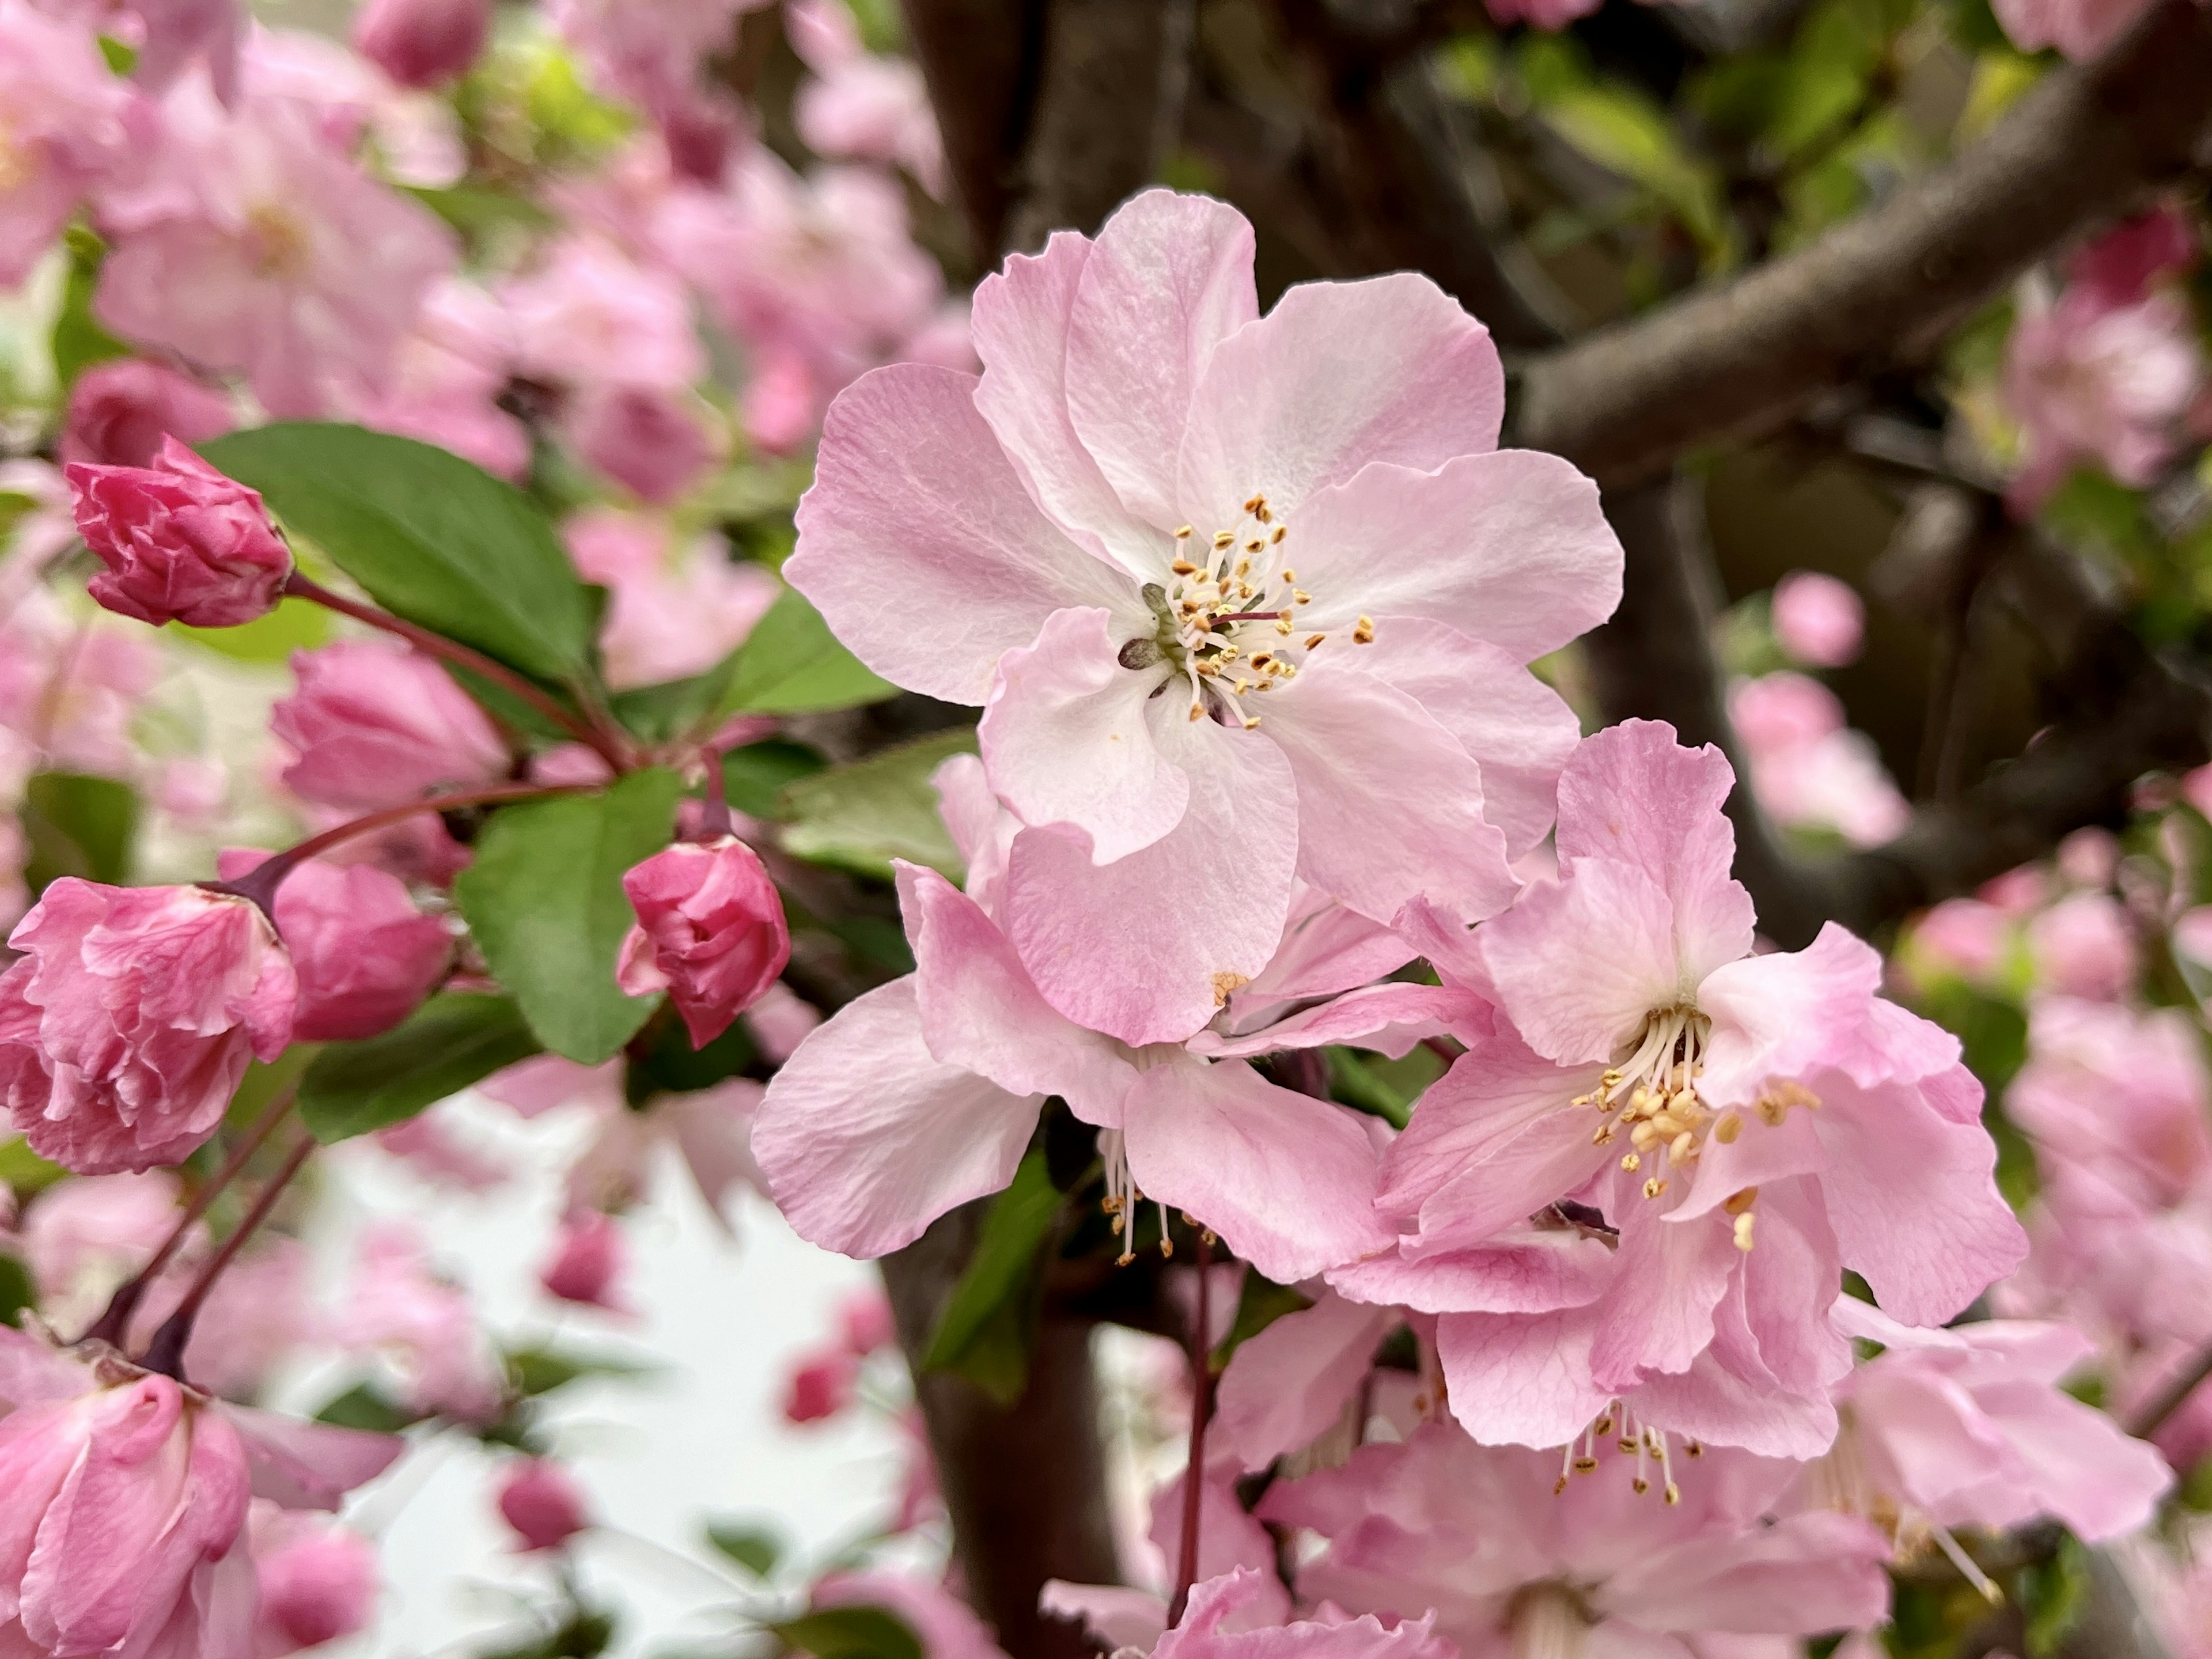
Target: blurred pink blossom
[
  {"x": 859, "y": 106},
  {"x": 447, "y": 378},
  {"x": 2083, "y": 946},
  {"x": 119, "y": 413},
  {"x": 70, "y": 126},
  {"x": 319, "y": 1581},
  {"x": 589, "y": 1259},
  {"x": 1808, "y": 769},
  {"x": 589, "y": 315},
  {"x": 676, "y": 609},
  {"x": 541, "y": 1501},
  {"x": 68, "y": 689},
  {"x": 399, "y": 1307},
  {"x": 2081, "y": 29},
  {"x": 653, "y": 442},
  {"x": 81, "y": 1238},
  {"x": 420, "y": 43},
  {"x": 1819, "y": 620},
  {"x": 372, "y": 725},
  {"x": 652, "y": 52}
]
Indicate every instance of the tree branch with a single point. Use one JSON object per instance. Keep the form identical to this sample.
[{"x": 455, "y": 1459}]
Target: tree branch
[
  {"x": 980, "y": 60},
  {"x": 1625, "y": 402}
]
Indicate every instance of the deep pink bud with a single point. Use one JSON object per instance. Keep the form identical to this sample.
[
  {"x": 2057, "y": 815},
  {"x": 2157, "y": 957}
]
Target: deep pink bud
[
  {"x": 122, "y": 1510},
  {"x": 588, "y": 1258},
  {"x": 541, "y": 1501},
  {"x": 420, "y": 43},
  {"x": 181, "y": 542},
  {"x": 120, "y": 413},
  {"x": 319, "y": 1581},
  {"x": 375, "y": 726},
  {"x": 126, "y": 1026},
  {"x": 363, "y": 954},
  {"x": 821, "y": 1388},
  {"x": 1818, "y": 620},
  {"x": 2122, "y": 264},
  {"x": 710, "y": 932}
]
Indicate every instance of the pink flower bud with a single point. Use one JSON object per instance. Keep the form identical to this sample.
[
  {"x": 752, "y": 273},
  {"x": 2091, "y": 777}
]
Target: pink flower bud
[
  {"x": 710, "y": 932},
  {"x": 121, "y": 412},
  {"x": 374, "y": 725},
  {"x": 821, "y": 1388},
  {"x": 588, "y": 1258},
  {"x": 319, "y": 1582},
  {"x": 541, "y": 1501},
  {"x": 364, "y": 955},
  {"x": 1818, "y": 620},
  {"x": 126, "y": 1026},
  {"x": 181, "y": 542},
  {"x": 646, "y": 439},
  {"x": 866, "y": 1318},
  {"x": 420, "y": 43},
  {"x": 124, "y": 1503}
]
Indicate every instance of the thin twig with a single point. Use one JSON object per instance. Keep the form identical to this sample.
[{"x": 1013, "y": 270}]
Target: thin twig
[
  {"x": 1201, "y": 1408},
  {"x": 2149, "y": 1420}
]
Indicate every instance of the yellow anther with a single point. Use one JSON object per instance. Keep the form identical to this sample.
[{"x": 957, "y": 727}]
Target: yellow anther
[
  {"x": 1283, "y": 626},
  {"x": 1728, "y": 1129},
  {"x": 1682, "y": 1145},
  {"x": 1364, "y": 632},
  {"x": 1197, "y": 711},
  {"x": 1673, "y": 1494},
  {"x": 1300, "y": 596},
  {"x": 1743, "y": 1226},
  {"x": 1654, "y": 1186},
  {"x": 1222, "y": 538},
  {"x": 1183, "y": 534},
  {"x": 1632, "y": 1163},
  {"x": 1741, "y": 1200},
  {"x": 1183, "y": 567},
  {"x": 1281, "y": 530},
  {"x": 1313, "y": 639}
]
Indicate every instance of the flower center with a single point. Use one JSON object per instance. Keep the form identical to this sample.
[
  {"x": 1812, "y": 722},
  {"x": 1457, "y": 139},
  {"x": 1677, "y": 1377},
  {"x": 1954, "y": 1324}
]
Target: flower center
[
  {"x": 279, "y": 240},
  {"x": 1228, "y": 620},
  {"x": 1649, "y": 1446},
  {"x": 1548, "y": 1621},
  {"x": 1122, "y": 1197}
]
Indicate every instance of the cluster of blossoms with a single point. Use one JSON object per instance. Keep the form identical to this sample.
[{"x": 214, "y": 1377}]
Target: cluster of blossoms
[{"x": 1653, "y": 1324}]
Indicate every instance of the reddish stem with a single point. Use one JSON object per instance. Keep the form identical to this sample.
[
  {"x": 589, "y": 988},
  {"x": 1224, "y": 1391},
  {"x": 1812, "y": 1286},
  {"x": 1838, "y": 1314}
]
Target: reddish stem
[
  {"x": 166, "y": 1352},
  {"x": 260, "y": 883},
  {"x": 461, "y": 656},
  {"x": 114, "y": 1324},
  {"x": 715, "y": 822},
  {"x": 1201, "y": 1408}
]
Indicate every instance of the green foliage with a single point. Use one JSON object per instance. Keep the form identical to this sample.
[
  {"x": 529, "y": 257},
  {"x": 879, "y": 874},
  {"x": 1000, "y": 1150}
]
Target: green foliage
[
  {"x": 545, "y": 901},
  {"x": 1260, "y": 1304},
  {"x": 853, "y": 1633},
  {"x": 77, "y": 825},
  {"x": 17, "y": 1295},
  {"x": 23, "y": 1171},
  {"x": 756, "y": 1549},
  {"x": 861, "y": 817},
  {"x": 433, "y": 537},
  {"x": 456, "y": 1038},
  {"x": 755, "y": 777},
  {"x": 2053, "y": 1594},
  {"x": 294, "y": 625},
  {"x": 791, "y": 663},
  {"x": 540, "y": 1370},
  {"x": 1357, "y": 1081},
  {"x": 984, "y": 1331},
  {"x": 79, "y": 341},
  {"x": 367, "y": 1407},
  {"x": 669, "y": 1064}
]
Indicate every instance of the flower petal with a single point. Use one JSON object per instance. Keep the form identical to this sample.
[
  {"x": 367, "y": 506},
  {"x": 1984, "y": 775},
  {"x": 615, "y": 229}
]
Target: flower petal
[
  {"x": 1577, "y": 966},
  {"x": 1287, "y": 1180},
  {"x": 1524, "y": 1271},
  {"x": 1284, "y": 1387},
  {"x": 1520, "y": 1379},
  {"x": 1145, "y": 948},
  {"x": 866, "y": 1138},
  {"x": 1658, "y": 1314},
  {"x": 1067, "y": 738},
  {"x": 919, "y": 545},
  {"x": 1170, "y": 279},
  {"x": 1337, "y": 376},
  {"x": 1509, "y": 547},
  {"x": 1388, "y": 1018},
  {"x": 1354, "y": 742}
]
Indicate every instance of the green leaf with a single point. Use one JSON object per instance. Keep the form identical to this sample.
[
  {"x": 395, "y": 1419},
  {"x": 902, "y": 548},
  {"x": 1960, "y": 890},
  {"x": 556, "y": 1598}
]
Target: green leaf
[
  {"x": 17, "y": 1297},
  {"x": 1261, "y": 1304},
  {"x": 754, "y": 777},
  {"x": 367, "y": 1407},
  {"x": 24, "y": 1170},
  {"x": 432, "y": 538},
  {"x": 452, "y": 1041},
  {"x": 861, "y": 817},
  {"x": 544, "y": 900},
  {"x": 856, "y": 1632},
  {"x": 542, "y": 1369},
  {"x": 659, "y": 713},
  {"x": 294, "y": 625},
  {"x": 79, "y": 341},
  {"x": 984, "y": 1332},
  {"x": 754, "y": 1548},
  {"x": 669, "y": 1064},
  {"x": 791, "y": 663},
  {"x": 1353, "y": 1080},
  {"x": 77, "y": 825}
]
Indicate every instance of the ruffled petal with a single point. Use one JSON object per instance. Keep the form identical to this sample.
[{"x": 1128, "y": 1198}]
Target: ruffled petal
[
  {"x": 1577, "y": 966},
  {"x": 1520, "y": 1379}
]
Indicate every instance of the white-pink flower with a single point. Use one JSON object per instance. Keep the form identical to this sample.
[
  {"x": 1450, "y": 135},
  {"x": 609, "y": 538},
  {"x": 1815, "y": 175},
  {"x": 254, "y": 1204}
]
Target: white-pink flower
[
  {"x": 66, "y": 124},
  {"x": 1737, "y": 1128},
  {"x": 1223, "y": 583}
]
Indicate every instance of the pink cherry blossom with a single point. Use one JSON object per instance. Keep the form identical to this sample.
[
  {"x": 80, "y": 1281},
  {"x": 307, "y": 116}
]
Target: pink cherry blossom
[
  {"x": 127, "y": 1499},
  {"x": 425, "y": 1324},
  {"x": 654, "y": 443},
  {"x": 1550, "y": 15},
  {"x": 1478, "y": 1534},
  {"x": 589, "y": 1259},
  {"x": 1819, "y": 620},
  {"x": 1808, "y": 768},
  {"x": 365, "y": 956},
  {"x": 710, "y": 931},
  {"x": 420, "y": 43},
  {"x": 69, "y": 125},
  {"x": 304, "y": 274},
  {"x": 446, "y": 381},
  {"x": 924, "y": 1093},
  {"x": 128, "y": 1020},
  {"x": 2082, "y": 946},
  {"x": 376, "y": 724},
  {"x": 414, "y": 137},
  {"x": 652, "y": 52},
  {"x": 2119, "y": 1098},
  {"x": 1735, "y": 1128},
  {"x": 2081, "y": 29},
  {"x": 1964, "y": 937},
  {"x": 541, "y": 1501},
  {"x": 589, "y": 315},
  {"x": 83, "y": 1238},
  {"x": 119, "y": 412},
  {"x": 1229, "y": 1617},
  {"x": 1095, "y": 539},
  {"x": 260, "y": 1313},
  {"x": 69, "y": 689},
  {"x": 181, "y": 542},
  {"x": 319, "y": 1582},
  {"x": 1967, "y": 1427},
  {"x": 859, "y": 105},
  {"x": 2090, "y": 380},
  {"x": 676, "y": 610}
]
